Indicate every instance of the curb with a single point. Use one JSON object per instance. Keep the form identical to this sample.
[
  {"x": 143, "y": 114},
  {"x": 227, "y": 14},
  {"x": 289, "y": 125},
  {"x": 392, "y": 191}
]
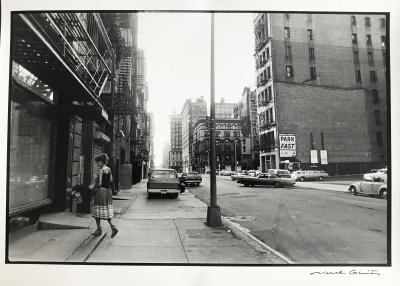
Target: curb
[
  {"x": 86, "y": 248},
  {"x": 49, "y": 225},
  {"x": 252, "y": 240}
]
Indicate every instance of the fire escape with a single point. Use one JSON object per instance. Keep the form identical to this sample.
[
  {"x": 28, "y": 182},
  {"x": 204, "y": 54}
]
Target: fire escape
[
  {"x": 69, "y": 51},
  {"x": 117, "y": 96}
]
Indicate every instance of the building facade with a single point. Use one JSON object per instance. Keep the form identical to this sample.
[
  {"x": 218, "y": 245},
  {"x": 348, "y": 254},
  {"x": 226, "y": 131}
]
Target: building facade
[
  {"x": 224, "y": 109},
  {"x": 175, "y": 153},
  {"x": 165, "y": 154},
  {"x": 233, "y": 151},
  {"x": 140, "y": 145},
  {"x": 191, "y": 113},
  {"x": 71, "y": 98},
  {"x": 321, "y": 91},
  {"x": 246, "y": 111}
]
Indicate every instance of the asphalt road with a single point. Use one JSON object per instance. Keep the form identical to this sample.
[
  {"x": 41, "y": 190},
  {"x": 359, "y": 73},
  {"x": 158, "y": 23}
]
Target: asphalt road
[{"x": 309, "y": 226}]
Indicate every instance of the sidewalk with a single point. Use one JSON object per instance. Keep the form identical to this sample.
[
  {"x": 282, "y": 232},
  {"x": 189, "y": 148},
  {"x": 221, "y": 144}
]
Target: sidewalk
[{"x": 159, "y": 230}]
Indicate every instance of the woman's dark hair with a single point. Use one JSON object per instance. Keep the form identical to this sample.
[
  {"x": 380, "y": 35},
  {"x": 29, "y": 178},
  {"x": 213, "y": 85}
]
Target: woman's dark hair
[{"x": 102, "y": 158}]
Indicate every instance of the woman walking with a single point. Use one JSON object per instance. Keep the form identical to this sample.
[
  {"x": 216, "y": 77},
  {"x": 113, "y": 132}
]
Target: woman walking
[{"x": 102, "y": 208}]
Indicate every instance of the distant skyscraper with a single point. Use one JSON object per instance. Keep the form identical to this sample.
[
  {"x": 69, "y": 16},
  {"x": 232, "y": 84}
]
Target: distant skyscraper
[
  {"x": 165, "y": 154},
  {"x": 224, "y": 110},
  {"x": 175, "y": 154},
  {"x": 191, "y": 113}
]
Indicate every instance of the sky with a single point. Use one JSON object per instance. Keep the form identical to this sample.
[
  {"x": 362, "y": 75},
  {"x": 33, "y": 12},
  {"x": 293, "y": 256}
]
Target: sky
[{"x": 177, "y": 49}]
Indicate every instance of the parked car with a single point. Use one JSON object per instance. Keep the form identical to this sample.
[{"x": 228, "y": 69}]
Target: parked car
[
  {"x": 225, "y": 173},
  {"x": 164, "y": 182},
  {"x": 303, "y": 175},
  {"x": 253, "y": 173},
  {"x": 267, "y": 179},
  {"x": 371, "y": 184},
  {"x": 239, "y": 175},
  {"x": 279, "y": 172},
  {"x": 191, "y": 178}
]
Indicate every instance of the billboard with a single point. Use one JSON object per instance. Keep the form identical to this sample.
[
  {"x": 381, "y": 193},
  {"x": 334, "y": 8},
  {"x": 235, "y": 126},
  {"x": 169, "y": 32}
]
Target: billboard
[
  {"x": 324, "y": 157},
  {"x": 314, "y": 156},
  {"x": 287, "y": 145}
]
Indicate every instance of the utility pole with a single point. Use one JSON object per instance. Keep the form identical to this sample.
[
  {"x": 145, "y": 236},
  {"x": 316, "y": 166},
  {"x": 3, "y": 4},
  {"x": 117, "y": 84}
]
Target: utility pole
[
  {"x": 234, "y": 144},
  {"x": 213, "y": 210}
]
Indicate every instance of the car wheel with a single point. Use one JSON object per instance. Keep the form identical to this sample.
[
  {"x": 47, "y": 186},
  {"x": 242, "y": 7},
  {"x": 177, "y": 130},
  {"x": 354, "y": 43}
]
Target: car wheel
[
  {"x": 383, "y": 194},
  {"x": 353, "y": 190},
  {"x": 277, "y": 184},
  {"x": 174, "y": 196},
  {"x": 246, "y": 185},
  {"x": 320, "y": 178},
  {"x": 301, "y": 179},
  {"x": 150, "y": 195},
  {"x": 251, "y": 185}
]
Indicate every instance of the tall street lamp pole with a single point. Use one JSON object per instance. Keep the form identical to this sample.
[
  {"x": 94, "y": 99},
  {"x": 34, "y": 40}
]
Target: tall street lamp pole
[
  {"x": 234, "y": 144},
  {"x": 213, "y": 210}
]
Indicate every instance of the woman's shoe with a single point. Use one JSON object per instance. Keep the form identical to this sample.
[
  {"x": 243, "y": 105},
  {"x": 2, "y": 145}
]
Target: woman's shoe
[
  {"x": 114, "y": 231},
  {"x": 97, "y": 232}
]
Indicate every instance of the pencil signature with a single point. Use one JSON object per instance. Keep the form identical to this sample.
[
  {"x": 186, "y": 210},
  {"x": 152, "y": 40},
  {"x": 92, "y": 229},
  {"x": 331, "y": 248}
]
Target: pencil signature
[{"x": 351, "y": 272}]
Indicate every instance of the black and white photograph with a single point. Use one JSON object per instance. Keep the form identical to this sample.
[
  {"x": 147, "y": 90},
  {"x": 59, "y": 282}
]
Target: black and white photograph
[{"x": 204, "y": 139}]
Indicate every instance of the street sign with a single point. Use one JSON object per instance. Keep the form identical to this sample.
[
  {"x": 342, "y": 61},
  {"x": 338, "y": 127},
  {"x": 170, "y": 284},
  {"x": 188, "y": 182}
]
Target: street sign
[
  {"x": 287, "y": 145},
  {"x": 324, "y": 157},
  {"x": 314, "y": 156}
]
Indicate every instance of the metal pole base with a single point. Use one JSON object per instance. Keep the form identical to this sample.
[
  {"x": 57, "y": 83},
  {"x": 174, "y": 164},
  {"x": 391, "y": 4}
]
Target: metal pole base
[{"x": 213, "y": 216}]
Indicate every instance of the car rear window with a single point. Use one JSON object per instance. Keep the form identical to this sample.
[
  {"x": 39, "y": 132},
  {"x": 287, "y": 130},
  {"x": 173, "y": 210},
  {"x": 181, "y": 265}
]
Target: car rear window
[{"x": 163, "y": 174}]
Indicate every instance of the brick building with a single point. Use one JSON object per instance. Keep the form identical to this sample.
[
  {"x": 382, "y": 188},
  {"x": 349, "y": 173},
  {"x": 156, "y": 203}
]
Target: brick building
[{"x": 321, "y": 80}]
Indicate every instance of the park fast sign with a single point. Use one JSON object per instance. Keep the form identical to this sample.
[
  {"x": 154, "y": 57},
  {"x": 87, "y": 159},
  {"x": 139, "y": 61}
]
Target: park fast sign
[{"x": 287, "y": 145}]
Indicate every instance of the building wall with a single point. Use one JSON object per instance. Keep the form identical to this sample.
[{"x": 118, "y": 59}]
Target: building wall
[
  {"x": 224, "y": 110},
  {"x": 335, "y": 62},
  {"x": 176, "y": 141},
  {"x": 345, "y": 133},
  {"x": 191, "y": 113}
]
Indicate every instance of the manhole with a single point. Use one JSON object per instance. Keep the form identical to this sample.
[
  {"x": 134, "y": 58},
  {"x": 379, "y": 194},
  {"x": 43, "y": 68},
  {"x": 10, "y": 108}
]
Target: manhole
[{"x": 242, "y": 218}]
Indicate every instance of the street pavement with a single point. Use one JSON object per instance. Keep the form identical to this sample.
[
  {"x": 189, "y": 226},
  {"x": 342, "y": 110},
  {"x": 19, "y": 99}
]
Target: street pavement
[
  {"x": 151, "y": 231},
  {"x": 313, "y": 222}
]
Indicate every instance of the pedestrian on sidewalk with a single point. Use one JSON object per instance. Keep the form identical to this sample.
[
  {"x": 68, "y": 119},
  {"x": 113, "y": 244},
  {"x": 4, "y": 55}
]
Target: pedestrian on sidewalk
[{"x": 102, "y": 205}]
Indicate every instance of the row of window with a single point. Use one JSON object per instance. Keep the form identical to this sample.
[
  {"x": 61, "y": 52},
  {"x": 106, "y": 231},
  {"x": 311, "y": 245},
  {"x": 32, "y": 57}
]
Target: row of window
[
  {"x": 354, "y": 40},
  {"x": 290, "y": 72},
  {"x": 286, "y": 34},
  {"x": 286, "y": 17},
  {"x": 372, "y": 76},
  {"x": 266, "y": 117},
  {"x": 263, "y": 57},
  {"x": 370, "y": 56},
  {"x": 264, "y": 76},
  {"x": 265, "y": 96},
  {"x": 267, "y": 139},
  {"x": 367, "y": 22}
]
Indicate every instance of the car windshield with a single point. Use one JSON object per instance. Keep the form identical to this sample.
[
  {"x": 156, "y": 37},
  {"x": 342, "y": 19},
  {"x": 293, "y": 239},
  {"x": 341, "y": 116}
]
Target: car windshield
[{"x": 163, "y": 174}]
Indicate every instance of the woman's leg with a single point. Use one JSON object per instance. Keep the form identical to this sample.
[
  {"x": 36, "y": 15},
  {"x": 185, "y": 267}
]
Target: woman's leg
[
  {"x": 98, "y": 230},
  {"x": 98, "y": 223},
  {"x": 114, "y": 230}
]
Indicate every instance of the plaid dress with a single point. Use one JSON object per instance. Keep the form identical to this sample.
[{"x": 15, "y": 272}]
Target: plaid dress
[{"x": 102, "y": 203}]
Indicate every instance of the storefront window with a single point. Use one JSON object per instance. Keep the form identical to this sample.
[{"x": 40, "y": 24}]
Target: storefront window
[
  {"x": 21, "y": 74},
  {"x": 29, "y": 161}
]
